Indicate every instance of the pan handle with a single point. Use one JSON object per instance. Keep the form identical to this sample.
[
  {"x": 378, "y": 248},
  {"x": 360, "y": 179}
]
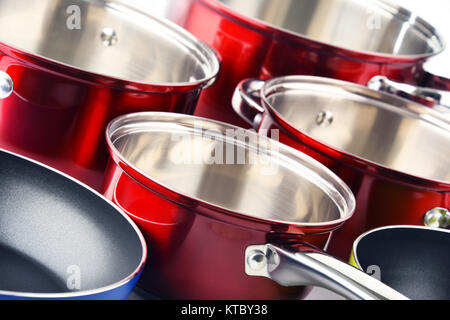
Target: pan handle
[
  {"x": 246, "y": 101},
  {"x": 304, "y": 266},
  {"x": 6, "y": 85},
  {"x": 433, "y": 98}
]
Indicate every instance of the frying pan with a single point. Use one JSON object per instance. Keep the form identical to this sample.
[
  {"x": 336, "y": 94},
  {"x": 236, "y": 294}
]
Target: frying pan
[
  {"x": 61, "y": 240},
  {"x": 224, "y": 207},
  {"x": 411, "y": 259}
]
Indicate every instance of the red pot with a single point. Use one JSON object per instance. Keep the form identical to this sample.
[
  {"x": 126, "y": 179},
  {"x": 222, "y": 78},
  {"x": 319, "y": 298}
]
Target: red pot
[
  {"x": 343, "y": 39},
  {"x": 67, "y": 73},
  {"x": 222, "y": 207},
  {"x": 392, "y": 153}
]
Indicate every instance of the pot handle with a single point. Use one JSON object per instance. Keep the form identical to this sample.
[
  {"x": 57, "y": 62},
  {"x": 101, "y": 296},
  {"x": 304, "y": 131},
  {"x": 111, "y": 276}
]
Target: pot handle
[
  {"x": 433, "y": 98},
  {"x": 246, "y": 101},
  {"x": 6, "y": 85},
  {"x": 304, "y": 266}
]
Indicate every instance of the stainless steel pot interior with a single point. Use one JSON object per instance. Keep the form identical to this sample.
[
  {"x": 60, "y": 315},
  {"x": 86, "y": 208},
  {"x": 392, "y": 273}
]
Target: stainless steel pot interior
[
  {"x": 377, "y": 127},
  {"x": 261, "y": 178},
  {"x": 370, "y": 26},
  {"x": 112, "y": 40}
]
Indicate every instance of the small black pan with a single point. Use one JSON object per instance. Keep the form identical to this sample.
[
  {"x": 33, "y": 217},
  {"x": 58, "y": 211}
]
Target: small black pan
[
  {"x": 412, "y": 260},
  {"x": 61, "y": 240}
]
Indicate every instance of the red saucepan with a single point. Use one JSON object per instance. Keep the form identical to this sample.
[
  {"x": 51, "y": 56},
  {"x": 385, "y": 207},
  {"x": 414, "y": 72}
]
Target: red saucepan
[
  {"x": 391, "y": 152},
  {"x": 221, "y": 205},
  {"x": 69, "y": 67},
  {"x": 349, "y": 40}
]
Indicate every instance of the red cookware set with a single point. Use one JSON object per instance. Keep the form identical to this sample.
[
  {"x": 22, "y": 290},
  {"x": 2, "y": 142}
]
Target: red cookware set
[{"x": 251, "y": 144}]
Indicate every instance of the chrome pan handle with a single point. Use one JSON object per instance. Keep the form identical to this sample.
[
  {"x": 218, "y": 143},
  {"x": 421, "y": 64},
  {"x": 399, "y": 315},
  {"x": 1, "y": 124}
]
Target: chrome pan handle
[{"x": 291, "y": 266}]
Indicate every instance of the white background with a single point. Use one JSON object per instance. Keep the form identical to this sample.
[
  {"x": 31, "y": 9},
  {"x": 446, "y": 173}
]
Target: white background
[{"x": 437, "y": 13}]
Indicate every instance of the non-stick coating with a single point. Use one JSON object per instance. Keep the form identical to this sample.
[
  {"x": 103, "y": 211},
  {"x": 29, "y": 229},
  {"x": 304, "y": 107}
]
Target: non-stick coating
[
  {"x": 413, "y": 261},
  {"x": 54, "y": 232}
]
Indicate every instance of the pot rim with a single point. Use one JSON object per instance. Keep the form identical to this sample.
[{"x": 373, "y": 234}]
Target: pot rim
[
  {"x": 397, "y": 227},
  {"x": 388, "y": 6},
  {"x": 327, "y": 179},
  {"x": 97, "y": 291},
  {"x": 412, "y": 108},
  {"x": 103, "y": 79}
]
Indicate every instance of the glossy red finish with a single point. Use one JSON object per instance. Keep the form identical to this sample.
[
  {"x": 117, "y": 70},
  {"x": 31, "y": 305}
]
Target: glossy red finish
[
  {"x": 57, "y": 114},
  {"x": 197, "y": 251},
  {"x": 383, "y": 196},
  {"x": 253, "y": 49}
]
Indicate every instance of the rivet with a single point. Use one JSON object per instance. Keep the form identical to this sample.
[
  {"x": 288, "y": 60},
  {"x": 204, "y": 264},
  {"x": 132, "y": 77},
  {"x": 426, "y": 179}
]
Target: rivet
[
  {"x": 6, "y": 85},
  {"x": 324, "y": 118},
  {"x": 437, "y": 218},
  {"x": 109, "y": 37},
  {"x": 256, "y": 260}
]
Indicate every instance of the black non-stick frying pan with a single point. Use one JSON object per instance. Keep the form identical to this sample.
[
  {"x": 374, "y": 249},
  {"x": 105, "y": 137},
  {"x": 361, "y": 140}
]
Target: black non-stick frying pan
[
  {"x": 412, "y": 260},
  {"x": 60, "y": 239}
]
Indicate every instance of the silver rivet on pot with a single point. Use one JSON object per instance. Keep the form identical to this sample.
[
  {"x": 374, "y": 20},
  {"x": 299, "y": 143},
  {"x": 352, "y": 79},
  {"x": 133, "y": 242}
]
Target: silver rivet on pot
[
  {"x": 6, "y": 85},
  {"x": 256, "y": 260},
  {"x": 437, "y": 218},
  {"x": 109, "y": 37},
  {"x": 324, "y": 118}
]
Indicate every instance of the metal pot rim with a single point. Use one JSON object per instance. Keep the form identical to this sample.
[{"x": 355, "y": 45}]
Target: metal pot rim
[
  {"x": 327, "y": 179},
  {"x": 388, "y": 6}
]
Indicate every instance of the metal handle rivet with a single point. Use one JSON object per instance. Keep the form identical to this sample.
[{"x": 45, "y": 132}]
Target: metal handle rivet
[
  {"x": 437, "y": 218},
  {"x": 109, "y": 37},
  {"x": 256, "y": 260},
  {"x": 324, "y": 118},
  {"x": 6, "y": 85}
]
